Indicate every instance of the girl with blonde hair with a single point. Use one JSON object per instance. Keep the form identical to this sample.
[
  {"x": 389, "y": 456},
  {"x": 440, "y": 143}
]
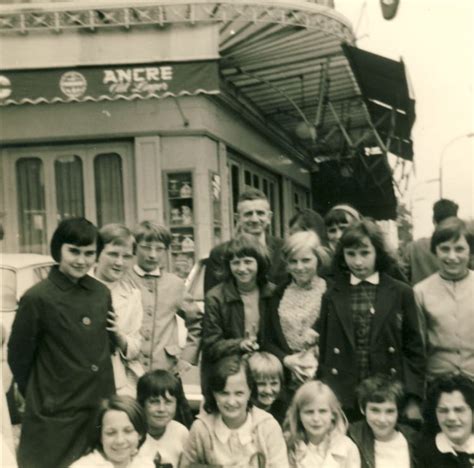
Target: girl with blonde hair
[{"x": 315, "y": 429}]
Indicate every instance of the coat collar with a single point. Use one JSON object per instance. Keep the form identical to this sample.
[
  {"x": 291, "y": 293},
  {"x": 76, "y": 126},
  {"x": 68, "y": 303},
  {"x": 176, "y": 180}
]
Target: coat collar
[
  {"x": 231, "y": 293},
  {"x": 444, "y": 445},
  {"x": 64, "y": 283}
]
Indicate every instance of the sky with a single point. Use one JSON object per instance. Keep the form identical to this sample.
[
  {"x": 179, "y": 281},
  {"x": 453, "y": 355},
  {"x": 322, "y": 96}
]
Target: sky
[{"x": 435, "y": 39}]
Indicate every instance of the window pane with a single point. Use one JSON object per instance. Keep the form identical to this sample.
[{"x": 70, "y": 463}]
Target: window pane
[
  {"x": 109, "y": 189},
  {"x": 247, "y": 178},
  {"x": 69, "y": 186},
  {"x": 31, "y": 205}
]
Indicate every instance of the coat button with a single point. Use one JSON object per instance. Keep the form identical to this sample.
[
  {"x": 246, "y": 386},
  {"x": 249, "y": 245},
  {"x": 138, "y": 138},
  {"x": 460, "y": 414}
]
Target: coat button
[
  {"x": 86, "y": 321},
  {"x": 393, "y": 371},
  {"x": 94, "y": 368},
  {"x": 337, "y": 351},
  {"x": 334, "y": 371},
  {"x": 391, "y": 350}
]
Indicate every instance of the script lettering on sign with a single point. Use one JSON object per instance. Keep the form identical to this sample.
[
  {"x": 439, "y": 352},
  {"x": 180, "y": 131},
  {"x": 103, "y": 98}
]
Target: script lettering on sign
[{"x": 142, "y": 80}]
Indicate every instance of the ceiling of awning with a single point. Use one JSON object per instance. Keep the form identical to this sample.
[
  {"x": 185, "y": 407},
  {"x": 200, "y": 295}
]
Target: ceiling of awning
[{"x": 279, "y": 68}]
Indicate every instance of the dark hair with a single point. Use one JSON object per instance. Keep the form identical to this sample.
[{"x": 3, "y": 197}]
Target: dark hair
[
  {"x": 353, "y": 236},
  {"x": 244, "y": 245},
  {"x": 443, "y": 209},
  {"x": 451, "y": 229},
  {"x": 341, "y": 214},
  {"x": 379, "y": 389},
  {"x": 309, "y": 220},
  {"x": 158, "y": 383},
  {"x": 115, "y": 234},
  {"x": 252, "y": 194},
  {"x": 219, "y": 373},
  {"x": 119, "y": 403},
  {"x": 445, "y": 384},
  {"x": 76, "y": 231},
  {"x": 149, "y": 231}
]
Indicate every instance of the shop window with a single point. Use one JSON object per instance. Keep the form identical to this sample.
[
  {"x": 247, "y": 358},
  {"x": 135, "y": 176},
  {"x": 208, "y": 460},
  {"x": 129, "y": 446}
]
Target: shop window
[
  {"x": 109, "y": 189},
  {"x": 31, "y": 205},
  {"x": 248, "y": 178},
  {"x": 69, "y": 186},
  {"x": 256, "y": 181}
]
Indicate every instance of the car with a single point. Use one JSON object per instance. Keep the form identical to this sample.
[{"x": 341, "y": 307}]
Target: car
[{"x": 18, "y": 272}]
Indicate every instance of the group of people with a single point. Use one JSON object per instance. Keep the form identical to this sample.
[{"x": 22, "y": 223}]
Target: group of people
[{"x": 315, "y": 351}]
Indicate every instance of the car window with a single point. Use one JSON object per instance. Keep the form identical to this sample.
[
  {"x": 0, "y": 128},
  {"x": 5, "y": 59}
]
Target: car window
[
  {"x": 40, "y": 273},
  {"x": 7, "y": 289}
]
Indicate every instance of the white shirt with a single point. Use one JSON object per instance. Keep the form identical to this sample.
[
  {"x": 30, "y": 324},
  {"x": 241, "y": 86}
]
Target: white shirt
[
  {"x": 170, "y": 445},
  {"x": 444, "y": 445},
  {"x": 97, "y": 460},
  {"x": 374, "y": 279},
  {"x": 392, "y": 453}
]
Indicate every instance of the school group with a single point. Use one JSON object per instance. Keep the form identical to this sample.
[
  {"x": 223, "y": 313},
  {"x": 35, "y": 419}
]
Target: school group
[{"x": 319, "y": 350}]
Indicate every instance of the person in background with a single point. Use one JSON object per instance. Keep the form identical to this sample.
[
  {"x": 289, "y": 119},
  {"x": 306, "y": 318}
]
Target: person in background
[
  {"x": 234, "y": 309},
  {"x": 163, "y": 327},
  {"x": 309, "y": 220},
  {"x": 267, "y": 372},
  {"x": 337, "y": 219},
  {"x": 159, "y": 393},
  {"x": 294, "y": 310},
  {"x": 446, "y": 302},
  {"x": 418, "y": 260},
  {"x": 448, "y": 440},
  {"x": 255, "y": 217},
  {"x": 369, "y": 323},
  {"x": 59, "y": 351},
  {"x": 381, "y": 440},
  {"x": 118, "y": 432},
  {"x": 315, "y": 430},
  {"x": 230, "y": 431},
  {"x": 125, "y": 321}
]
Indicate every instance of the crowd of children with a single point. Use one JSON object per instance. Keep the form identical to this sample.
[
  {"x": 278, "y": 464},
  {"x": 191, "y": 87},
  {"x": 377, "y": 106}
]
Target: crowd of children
[{"x": 340, "y": 365}]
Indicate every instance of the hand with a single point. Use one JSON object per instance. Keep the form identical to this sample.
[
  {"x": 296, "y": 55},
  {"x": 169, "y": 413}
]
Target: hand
[
  {"x": 303, "y": 365},
  {"x": 248, "y": 345},
  {"x": 113, "y": 327}
]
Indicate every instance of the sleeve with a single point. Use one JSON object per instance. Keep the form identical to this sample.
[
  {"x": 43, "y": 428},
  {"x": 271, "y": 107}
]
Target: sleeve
[
  {"x": 270, "y": 342},
  {"x": 213, "y": 341},
  {"x": 193, "y": 453},
  {"x": 214, "y": 268},
  {"x": 422, "y": 314},
  {"x": 132, "y": 334},
  {"x": 24, "y": 340},
  {"x": 353, "y": 456},
  {"x": 193, "y": 319},
  {"x": 414, "y": 355},
  {"x": 277, "y": 455},
  {"x": 321, "y": 328}
]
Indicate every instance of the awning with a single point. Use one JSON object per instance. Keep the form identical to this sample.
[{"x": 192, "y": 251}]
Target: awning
[
  {"x": 384, "y": 87},
  {"x": 108, "y": 83}
]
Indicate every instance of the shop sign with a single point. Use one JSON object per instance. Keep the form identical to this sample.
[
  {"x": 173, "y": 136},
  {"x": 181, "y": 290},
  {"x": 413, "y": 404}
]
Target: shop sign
[{"x": 152, "y": 80}]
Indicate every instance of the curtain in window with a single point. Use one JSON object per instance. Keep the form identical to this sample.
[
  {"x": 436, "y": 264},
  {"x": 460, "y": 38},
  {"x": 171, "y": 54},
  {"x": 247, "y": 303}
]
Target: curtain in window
[
  {"x": 109, "y": 189},
  {"x": 31, "y": 205},
  {"x": 69, "y": 186}
]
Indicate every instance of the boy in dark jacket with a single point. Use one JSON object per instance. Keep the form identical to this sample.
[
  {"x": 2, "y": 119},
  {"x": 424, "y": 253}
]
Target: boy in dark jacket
[{"x": 382, "y": 442}]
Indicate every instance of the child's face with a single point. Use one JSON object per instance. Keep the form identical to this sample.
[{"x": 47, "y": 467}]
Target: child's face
[
  {"x": 317, "y": 419},
  {"x": 335, "y": 232},
  {"x": 119, "y": 437},
  {"x": 77, "y": 260},
  {"x": 159, "y": 411},
  {"x": 232, "y": 401},
  {"x": 244, "y": 270},
  {"x": 268, "y": 390},
  {"x": 361, "y": 259},
  {"x": 382, "y": 419},
  {"x": 302, "y": 266},
  {"x": 150, "y": 255},
  {"x": 455, "y": 417},
  {"x": 114, "y": 261}
]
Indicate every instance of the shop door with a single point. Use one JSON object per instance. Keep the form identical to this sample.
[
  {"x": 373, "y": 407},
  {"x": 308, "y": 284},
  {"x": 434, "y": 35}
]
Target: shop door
[
  {"x": 243, "y": 175},
  {"x": 58, "y": 182}
]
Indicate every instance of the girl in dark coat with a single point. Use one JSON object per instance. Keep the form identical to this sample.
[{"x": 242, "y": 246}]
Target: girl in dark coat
[
  {"x": 59, "y": 351},
  {"x": 369, "y": 322},
  {"x": 234, "y": 309}
]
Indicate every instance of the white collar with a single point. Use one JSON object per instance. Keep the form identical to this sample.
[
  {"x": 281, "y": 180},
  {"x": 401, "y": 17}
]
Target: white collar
[
  {"x": 374, "y": 279},
  {"x": 140, "y": 272},
  {"x": 244, "y": 432},
  {"x": 444, "y": 445}
]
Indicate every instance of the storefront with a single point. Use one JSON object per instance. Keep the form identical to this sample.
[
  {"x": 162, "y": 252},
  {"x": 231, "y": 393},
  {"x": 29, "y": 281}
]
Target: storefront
[{"x": 162, "y": 110}]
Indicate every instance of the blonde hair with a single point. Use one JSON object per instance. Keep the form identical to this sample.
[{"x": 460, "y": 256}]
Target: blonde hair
[
  {"x": 265, "y": 365},
  {"x": 309, "y": 393}
]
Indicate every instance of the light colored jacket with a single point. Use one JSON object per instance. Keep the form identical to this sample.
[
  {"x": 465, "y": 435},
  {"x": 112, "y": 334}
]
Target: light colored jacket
[
  {"x": 266, "y": 432},
  {"x": 97, "y": 460}
]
